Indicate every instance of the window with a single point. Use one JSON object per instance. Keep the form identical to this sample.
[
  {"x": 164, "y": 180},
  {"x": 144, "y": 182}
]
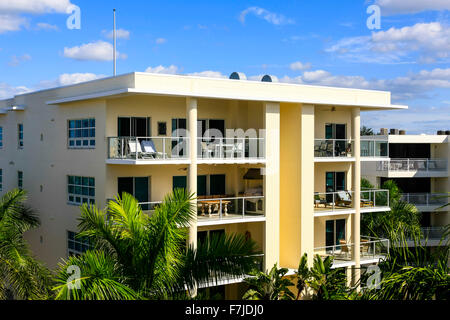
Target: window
[
  {"x": 216, "y": 184},
  {"x": 1, "y": 179},
  {"x": 77, "y": 245},
  {"x": 81, "y": 190},
  {"x": 162, "y": 128},
  {"x": 1, "y": 137},
  {"x": 20, "y": 179},
  {"x": 138, "y": 187},
  {"x": 335, "y": 231},
  {"x": 20, "y": 135},
  {"x": 81, "y": 134},
  {"x": 134, "y": 127}
]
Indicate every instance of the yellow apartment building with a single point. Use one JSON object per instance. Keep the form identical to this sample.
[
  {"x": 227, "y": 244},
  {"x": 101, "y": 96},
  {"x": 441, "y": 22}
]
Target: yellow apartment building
[{"x": 277, "y": 162}]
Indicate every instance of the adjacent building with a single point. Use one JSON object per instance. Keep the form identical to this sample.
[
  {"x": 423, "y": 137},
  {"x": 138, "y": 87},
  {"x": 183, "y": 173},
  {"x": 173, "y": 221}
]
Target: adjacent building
[
  {"x": 277, "y": 162},
  {"x": 419, "y": 164}
]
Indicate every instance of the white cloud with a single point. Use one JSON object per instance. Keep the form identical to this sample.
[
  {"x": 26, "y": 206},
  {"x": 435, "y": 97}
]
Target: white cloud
[
  {"x": 270, "y": 17},
  {"x": 160, "y": 41},
  {"x": 73, "y": 78},
  {"x": 94, "y": 51},
  {"x": 35, "y": 6},
  {"x": 208, "y": 74},
  {"x": 391, "y": 7},
  {"x": 46, "y": 26},
  {"x": 120, "y": 34},
  {"x": 295, "y": 66},
  {"x": 430, "y": 41},
  {"x": 10, "y": 22},
  {"x": 8, "y": 91},
  {"x": 161, "y": 69},
  {"x": 17, "y": 60}
]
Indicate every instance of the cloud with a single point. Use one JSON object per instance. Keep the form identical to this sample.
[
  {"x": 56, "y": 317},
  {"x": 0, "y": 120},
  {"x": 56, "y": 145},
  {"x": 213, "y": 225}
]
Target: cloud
[
  {"x": 208, "y": 74},
  {"x": 270, "y": 17},
  {"x": 16, "y": 61},
  {"x": 8, "y": 91},
  {"x": 392, "y": 7},
  {"x": 120, "y": 34},
  {"x": 424, "y": 42},
  {"x": 161, "y": 69},
  {"x": 46, "y": 26},
  {"x": 35, "y": 6},
  {"x": 160, "y": 41},
  {"x": 10, "y": 22},
  {"x": 73, "y": 78},
  {"x": 295, "y": 66},
  {"x": 94, "y": 51}
]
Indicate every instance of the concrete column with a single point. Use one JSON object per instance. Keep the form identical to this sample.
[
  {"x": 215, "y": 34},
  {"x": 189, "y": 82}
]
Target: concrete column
[
  {"x": 272, "y": 184},
  {"x": 191, "y": 111},
  {"x": 356, "y": 221}
]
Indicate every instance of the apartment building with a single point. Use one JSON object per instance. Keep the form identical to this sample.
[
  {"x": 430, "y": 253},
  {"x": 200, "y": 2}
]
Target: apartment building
[
  {"x": 419, "y": 164},
  {"x": 284, "y": 174}
]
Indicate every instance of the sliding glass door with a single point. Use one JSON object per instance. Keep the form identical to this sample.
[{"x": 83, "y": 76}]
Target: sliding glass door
[
  {"x": 139, "y": 187},
  {"x": 334, "y": 232}
]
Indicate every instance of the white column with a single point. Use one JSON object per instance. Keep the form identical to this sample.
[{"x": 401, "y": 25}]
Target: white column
[
  {"x": 191, "y": 111},
  {"x": 272, "y": 185},
  {"x": 356, "y": 221}
]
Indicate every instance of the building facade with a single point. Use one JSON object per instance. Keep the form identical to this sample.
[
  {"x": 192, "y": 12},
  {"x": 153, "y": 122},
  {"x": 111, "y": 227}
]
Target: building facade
[
  {"x": 419, "y": 164},
  {"x": 285, "y": 172}
]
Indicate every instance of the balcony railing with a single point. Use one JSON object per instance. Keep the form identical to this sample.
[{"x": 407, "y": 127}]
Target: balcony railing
[
  {"x": 343, "y": 200},
  {"x": 213, "y": 208},
  {"x": 148, "y": 148},
  {"x": 231, "y": 148},
  {"x": 433, "y": 233},
  {"x": 230, "y": 207},
  {"x": 374, "y": 148},
  {"x": 333, "y": 148},
  {"x": 370, "y": 248},
  {"x": 426, "y": 199},
  {"x": 412, "y": 165}
]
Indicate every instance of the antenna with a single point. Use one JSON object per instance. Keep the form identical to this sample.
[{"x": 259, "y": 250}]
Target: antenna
[{"x": 114, "y": 37}]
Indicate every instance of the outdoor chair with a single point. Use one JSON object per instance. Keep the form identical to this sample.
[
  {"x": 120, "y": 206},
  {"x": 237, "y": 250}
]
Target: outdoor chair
[
  {"x": 149, "y": 150},
  {"x": 343, "y": 199},
  {"x": 318, "y": 201},
  {"x": 134, "y": 149},
  {"x": 365, "y": 247},
  {"x": 345, "y": 250}
]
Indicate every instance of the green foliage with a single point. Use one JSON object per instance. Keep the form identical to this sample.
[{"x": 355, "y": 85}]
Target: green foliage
[
  {"x": 269, "y": 286},
  {"x": 22, "y": 277},
  {"x": 327, "y": 283},
  {"x": 139, "y": 256},
  {"x": 365, "y": 131},
  {"x": 395, "y": 193},
  {"x": 365, "y": 184}
]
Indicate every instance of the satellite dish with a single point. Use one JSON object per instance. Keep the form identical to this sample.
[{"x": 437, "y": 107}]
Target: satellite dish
[
  {"x": 269, "y": 78},
  {"x": 238, "y": 76}
]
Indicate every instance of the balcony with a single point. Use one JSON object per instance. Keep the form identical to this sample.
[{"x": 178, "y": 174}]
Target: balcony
[
  {"x": 333, "y": 150},
  {"x": 213, "y": 210},
  {"x": 426, "y": 202},
  {"x": 231, "y": 150},
  {"x": 147, "y": 150},
  {"x": 407, "y": 168},
  {"x": 374, "y": 148},
  {"x": 340, "y": 202},
  {"x": 431, "y": 237},
  {"x": 175, "y": 150},
  {"x": 372, "y": 250}
]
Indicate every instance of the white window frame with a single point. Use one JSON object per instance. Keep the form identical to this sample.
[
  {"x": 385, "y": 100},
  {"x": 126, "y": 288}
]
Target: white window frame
[
  {"x": 81, "y": 140},
  {"x": 72, "y": 197},
  {"x": 84, "y": 244}
]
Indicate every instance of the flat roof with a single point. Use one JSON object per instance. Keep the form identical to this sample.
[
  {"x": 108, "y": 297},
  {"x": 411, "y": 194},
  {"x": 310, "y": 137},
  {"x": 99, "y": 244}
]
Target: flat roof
[{"x": 217, "y": 88}]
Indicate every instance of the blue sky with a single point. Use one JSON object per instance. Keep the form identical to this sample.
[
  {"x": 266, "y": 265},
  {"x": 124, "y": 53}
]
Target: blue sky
[{"x": 322, "y": 42}]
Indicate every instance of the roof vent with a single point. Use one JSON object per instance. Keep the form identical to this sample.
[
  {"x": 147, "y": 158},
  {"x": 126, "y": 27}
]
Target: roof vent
[
  {"x": 447, "y": 132},
  {"x": 394, "y": 132},
  {"x": 383, "y": 131},
  {"x": 269, "y": 78},
  {"x": 402, "y": 132},
  {"x": 441, "y": 132},
  {"x": 238, "y": 76}
]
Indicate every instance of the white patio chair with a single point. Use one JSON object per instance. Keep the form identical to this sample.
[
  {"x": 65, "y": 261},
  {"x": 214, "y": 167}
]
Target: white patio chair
[{"x": 149, "y": 150}]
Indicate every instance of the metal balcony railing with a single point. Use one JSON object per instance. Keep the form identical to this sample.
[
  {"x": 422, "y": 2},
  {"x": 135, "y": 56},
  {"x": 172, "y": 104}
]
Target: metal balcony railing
[
  {"x": 341, "y": 200},
  {"x": 412, "y": 165},
  {"x": 231, "y": 148},
  {"x": 374, "y": 148},
  {"x": 333, "y": 148},
  {"x": 426, "y": 199}
]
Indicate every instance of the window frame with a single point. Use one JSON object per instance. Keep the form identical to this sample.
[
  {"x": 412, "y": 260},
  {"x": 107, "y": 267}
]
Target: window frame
[
  {"x": 20, "y": 180},
  {"x": 1, "y": 137},
  {"x": 76, "y": 241},
  {"x": 20, "y": 144},
  {"x": 89, "y": 138},
  {"x": 90, "y": 198},
  {"x": 1, "y": 179}
]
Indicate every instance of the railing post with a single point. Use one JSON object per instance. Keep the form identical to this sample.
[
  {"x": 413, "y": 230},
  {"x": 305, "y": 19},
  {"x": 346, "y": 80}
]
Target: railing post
[
  {"x": 164, "y": 148},
  {"x": 220, "y": 209},
  {"x": 243, "y": 207},
  {"x": 136, "y": 148}
]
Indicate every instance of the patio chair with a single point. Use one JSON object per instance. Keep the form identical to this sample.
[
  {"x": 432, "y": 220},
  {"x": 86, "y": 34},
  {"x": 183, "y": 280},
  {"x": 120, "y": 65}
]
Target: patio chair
[
  {"x": 318, "y": 201},
  {"x": 149, "y": 150},
  {"x": 330, "y": 151},
  {"x": 343, "y": 199},
  {"x": 323, "y": 149},
  {"x": 207, "y": 149},
  {"x": 365, "y": 247},
  {"x": 345, "y": 250},
  {"x": 134, "y": 149}
]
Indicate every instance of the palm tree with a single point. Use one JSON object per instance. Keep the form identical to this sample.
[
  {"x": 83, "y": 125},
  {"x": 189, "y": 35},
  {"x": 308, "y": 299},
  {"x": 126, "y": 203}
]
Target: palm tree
[
  {"x": 140, "y": 256},
  {"x": 270, "y": 285},
  {"x": 365, "y": 131},
  {"x": 22, "y": 277},
  {"x": 327, "y": 283}
]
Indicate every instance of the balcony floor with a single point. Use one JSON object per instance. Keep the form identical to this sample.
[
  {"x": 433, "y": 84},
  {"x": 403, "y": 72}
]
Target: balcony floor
[
  {"x": 327, "y": 211},
  {"x": 341, "y": 261},
  {"x": 215, "y": 219}
]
